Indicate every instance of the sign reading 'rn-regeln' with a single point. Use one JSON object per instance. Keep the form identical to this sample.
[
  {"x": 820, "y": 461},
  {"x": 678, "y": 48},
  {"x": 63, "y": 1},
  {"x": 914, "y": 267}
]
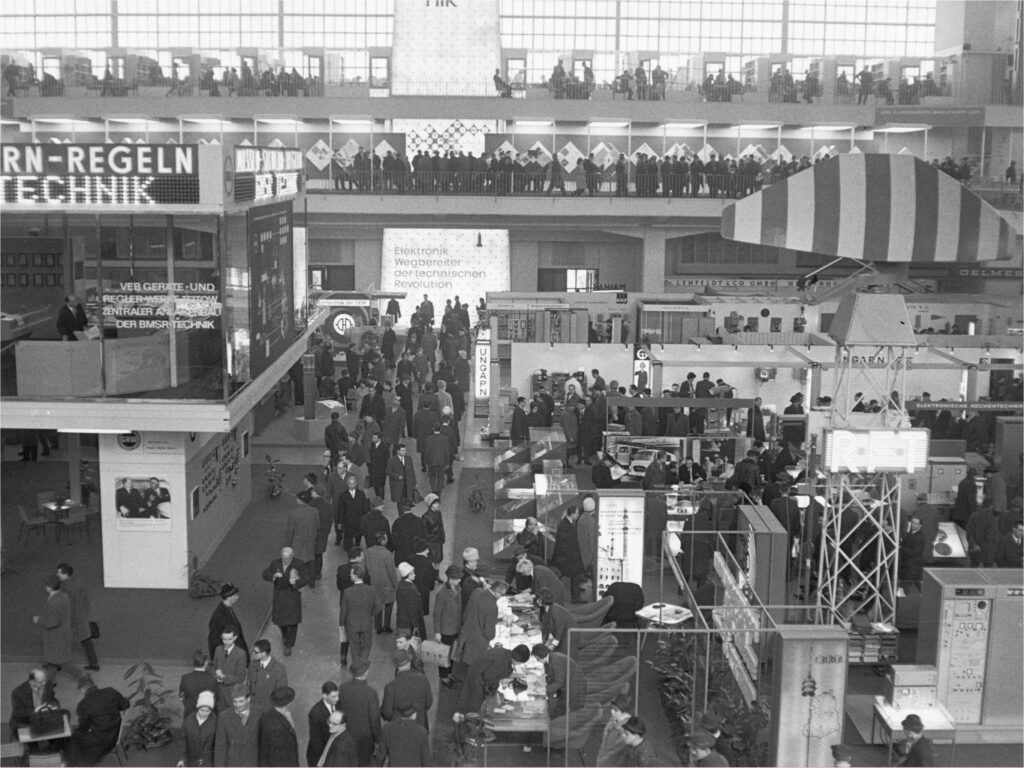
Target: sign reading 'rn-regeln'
[{"x": 99, "y": 174}]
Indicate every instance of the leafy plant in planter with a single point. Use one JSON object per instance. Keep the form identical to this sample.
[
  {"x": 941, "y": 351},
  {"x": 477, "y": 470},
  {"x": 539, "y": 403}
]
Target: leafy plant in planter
[
  {"x": 681, "y": 667},
  {"x": 151, "y": 727}
]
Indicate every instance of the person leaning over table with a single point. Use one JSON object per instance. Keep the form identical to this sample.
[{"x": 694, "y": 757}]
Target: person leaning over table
[
  {"x": 566, "y": 683},
  {"x": 99, "y": 723},
  {"x": 555, "y": 621},
  {"x": 484, "y": 675}
]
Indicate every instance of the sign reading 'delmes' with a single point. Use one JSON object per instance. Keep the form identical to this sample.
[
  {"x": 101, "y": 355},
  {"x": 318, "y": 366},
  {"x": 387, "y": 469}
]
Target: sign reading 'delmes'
[
  {"x": 266, "y": 173},
  {"x": 444, "y": 263},
  {"x": 100, "y": 174}
]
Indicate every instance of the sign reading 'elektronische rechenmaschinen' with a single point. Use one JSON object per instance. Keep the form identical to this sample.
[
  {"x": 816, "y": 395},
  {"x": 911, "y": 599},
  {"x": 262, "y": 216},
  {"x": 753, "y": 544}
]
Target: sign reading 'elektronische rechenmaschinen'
[{"x": 99, "y": 174}]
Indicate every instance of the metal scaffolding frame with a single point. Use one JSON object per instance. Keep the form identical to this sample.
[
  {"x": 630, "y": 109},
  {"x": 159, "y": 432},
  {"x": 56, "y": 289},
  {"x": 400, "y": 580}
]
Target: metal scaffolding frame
[
  {"x": 858, "y": 565},
  {"x": 868, "y": 574}
]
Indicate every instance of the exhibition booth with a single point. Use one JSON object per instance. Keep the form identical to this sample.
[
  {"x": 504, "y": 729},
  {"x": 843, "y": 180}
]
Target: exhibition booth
[{"x": 190, "y": 306}]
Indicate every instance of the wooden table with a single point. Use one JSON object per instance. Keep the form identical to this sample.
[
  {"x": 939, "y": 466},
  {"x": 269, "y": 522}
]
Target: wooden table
[
  {"x": 25, "y": 736},
  {"x": 939, "y": 725},
  {"x": 529, "y": 716}
]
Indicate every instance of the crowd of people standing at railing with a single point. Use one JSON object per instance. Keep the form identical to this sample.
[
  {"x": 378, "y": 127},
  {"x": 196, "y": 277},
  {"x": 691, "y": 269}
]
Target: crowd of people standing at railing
[{"x": 503, "y": 173}]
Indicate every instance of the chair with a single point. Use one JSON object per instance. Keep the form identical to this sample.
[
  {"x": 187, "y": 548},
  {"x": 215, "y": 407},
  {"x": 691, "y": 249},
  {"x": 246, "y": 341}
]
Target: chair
[
  {"x": 598, "y": 658},
  {"x": 45, "y": 759},
  {"x": 36, "y": 523},
  {"x": 595, "y": 614},
  {"x": 582, "y": 724},
  {"x": 13, "y": 750},
  {"x": 76, "y": 519},
  {"x": 623, "y": 668}
]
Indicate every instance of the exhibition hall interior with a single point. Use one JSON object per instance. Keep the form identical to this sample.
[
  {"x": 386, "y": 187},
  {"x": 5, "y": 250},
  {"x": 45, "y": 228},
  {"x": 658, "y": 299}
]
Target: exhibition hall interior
[{"x": 512, "y": 382}]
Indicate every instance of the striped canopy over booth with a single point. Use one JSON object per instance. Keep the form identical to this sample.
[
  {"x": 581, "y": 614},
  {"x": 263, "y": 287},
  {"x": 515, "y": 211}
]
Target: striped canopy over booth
[{"x": 872, "y": 207}]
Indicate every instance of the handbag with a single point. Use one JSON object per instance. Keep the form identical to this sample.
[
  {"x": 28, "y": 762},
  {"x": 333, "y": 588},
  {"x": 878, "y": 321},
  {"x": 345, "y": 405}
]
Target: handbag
[
  {"x": 436, "y": 653},
  {"x": 94, "y": 630},
  {"x": 45, "y": 721}
]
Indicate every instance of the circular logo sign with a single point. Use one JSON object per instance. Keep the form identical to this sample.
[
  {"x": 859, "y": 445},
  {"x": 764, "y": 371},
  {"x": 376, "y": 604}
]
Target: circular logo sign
[
  {"x": 129, "y": 441},
  {"x": 641, "y": 354},
  {"x": 229, "y": 175},
  {"x": 340, "y": 323}
]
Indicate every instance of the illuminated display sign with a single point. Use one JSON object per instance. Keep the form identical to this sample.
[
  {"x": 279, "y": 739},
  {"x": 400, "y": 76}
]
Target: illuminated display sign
[
  {"x": 876, "y": 450},
  {"x": 100, "y": 174},
  {"x": 266, "y": 173}
]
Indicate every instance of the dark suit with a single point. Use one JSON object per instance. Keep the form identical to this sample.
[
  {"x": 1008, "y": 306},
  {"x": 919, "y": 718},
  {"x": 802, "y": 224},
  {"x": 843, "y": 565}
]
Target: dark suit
[
  {"x": 1008, "y": 552},
  {"x": 351, "y": 509},
  {"x": 286, "y": 612},
  {"x": 278, "y": 743},
  {"x": 404, "y": 531},
  {"x": 912, "y": 555},
  {"x": 482, "y": 678},
  {"x": 341, "y": 753},
  {"x": 373, "y": 523},
  {"x": 237, "y": 744},
  {"x": 407, "y": 686},
  {"x": 406, "y": 743},
  {"x": 192, "y": 684},
  {"x": 755, "y": 424},
  {"x": 22, "y": 706},
  {"x": 70, "y": 320},
  {"x": 360, "y": 603},
  {"x": 198, "y": 740},
  {"x": 99, "y": 724},
  {"x": 361, "y": 706},
  {"x": 409, "y": 609},
  {"x": 224, "y": 616},
  {"x": 319, "y": 732},
  {"x": 520, "y": 430}
]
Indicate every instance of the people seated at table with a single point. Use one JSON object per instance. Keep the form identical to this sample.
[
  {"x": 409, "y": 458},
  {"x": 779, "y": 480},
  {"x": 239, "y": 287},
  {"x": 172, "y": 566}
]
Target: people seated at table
[
  {"x": 31, "y": 696},
  {"x": 99, "y": 723}
]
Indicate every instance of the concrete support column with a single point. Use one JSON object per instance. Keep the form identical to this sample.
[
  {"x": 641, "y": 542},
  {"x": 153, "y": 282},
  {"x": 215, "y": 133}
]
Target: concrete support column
[
  {"x": 74, "y": 450},
  {"x": 654, "y": 261}
]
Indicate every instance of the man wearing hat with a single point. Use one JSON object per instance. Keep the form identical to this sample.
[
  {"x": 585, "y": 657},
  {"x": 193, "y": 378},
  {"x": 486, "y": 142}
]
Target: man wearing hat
[
  {"x": 224, "y": 616},
  {"x": 702, "y": 750},
  {"x": 408, "y": 686},
  {"x": 447, "y": 617},
  {"x": 99, "y": 722},
  {"x": 638, "y": 751},
  {"x": 471, "y": 580},
  {"x": 361, "y": 706},
  {"x": 278, "y": 743},
  {"x": 288, "y": 575},
  {"x": 613, "y": 739},
  {"x": 408, "y": 608},
  {"x": 55, "y": 621},
  {"x": 405, "y": 741},
  {"x": 426, "y": 574},
  {"x": 842, "y": 757},
  {"x": 919, "y": 751},
  {"x": 199, "y": 732},
  {"x": 723, "y": 745},
  {"x": 793, "y": 431},
  {"x": 404, "y": 532}
]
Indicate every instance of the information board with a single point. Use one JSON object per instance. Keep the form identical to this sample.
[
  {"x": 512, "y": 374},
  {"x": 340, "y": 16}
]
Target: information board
[
  {"x": 620, "y": 541},
  {"x": 271, "y": 319}
]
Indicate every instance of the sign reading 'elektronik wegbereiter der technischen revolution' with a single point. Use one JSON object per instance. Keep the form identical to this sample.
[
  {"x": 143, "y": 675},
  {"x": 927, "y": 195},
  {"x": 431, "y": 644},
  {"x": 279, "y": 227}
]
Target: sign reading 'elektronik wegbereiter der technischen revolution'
[{"x": 100, "y": 174}]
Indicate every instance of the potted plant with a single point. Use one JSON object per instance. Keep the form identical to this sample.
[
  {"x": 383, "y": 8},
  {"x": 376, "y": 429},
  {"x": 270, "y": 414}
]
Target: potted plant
[{"x": 150, "y": 728}]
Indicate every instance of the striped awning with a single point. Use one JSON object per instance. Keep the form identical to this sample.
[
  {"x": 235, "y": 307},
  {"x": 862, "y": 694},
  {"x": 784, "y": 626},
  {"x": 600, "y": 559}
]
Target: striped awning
[{"x": 872, "y": 207}]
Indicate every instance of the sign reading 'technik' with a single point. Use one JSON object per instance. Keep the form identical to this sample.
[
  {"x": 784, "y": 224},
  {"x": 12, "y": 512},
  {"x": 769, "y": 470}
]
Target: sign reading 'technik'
[{"x": 100, "y": 174}]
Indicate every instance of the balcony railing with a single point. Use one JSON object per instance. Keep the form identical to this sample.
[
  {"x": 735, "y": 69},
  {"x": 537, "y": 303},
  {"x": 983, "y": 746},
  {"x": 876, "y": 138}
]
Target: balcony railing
[{"x": 526, "y": 184}]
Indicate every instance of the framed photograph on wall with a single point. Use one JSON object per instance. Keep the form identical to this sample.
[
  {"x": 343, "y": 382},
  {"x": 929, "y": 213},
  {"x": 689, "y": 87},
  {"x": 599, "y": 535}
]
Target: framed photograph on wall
[
  {"x": 11, "y": 280},
  {"x": 51, "y": 281},
  {"x": 37, "y": 259},
  {"x": 23, "y": 280},
  {"x": 142, "y": 504},
  {"x": 10, "y": 259},
  {"x": 50, "y": 259},
  {"x": 38, "y": 279},
  {"x": 22, "y": 259}
]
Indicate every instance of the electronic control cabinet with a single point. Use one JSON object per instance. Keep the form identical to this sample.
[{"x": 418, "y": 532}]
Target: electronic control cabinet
[{"x": 970, "y": 629}]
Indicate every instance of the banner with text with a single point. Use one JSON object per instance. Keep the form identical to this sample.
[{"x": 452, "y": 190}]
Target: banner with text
[{"x": 444, "y": 263}]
